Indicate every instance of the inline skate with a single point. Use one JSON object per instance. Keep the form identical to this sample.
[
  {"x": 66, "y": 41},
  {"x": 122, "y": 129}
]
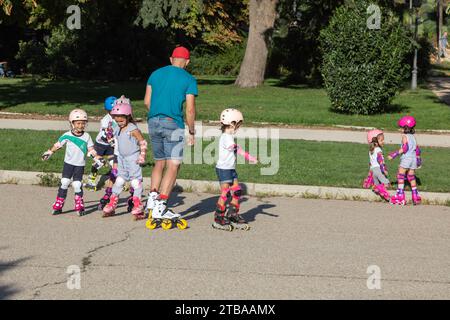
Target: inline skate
[
  {"x": 398, "y": 198},
  {"x": 58, "y": 206},
  {"x": 130, "y": 203},
  {"x": 221, "y": 220},
  {"x": 104, "y": 200},
  {"x": 382, "y": 192},
  {"x": 138, "y": 209},
  {"x": 152, "y": 197},
  {"x": 79, "y": 206},
  {"x": 416, "y": 199},
  {"x": 236, "y": 219},
  {"x": 166, "y": 218},
  {"x": 110, "y": 208},
  {"x": 92, "y": 182}
]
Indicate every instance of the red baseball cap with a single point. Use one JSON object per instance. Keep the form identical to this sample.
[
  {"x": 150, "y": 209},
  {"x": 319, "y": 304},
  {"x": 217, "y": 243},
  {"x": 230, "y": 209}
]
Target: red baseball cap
[{"x": 181, "y": 52}]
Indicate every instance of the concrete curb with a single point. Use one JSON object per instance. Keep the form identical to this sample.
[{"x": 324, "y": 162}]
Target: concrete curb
[{"x": 252, "y": 189}]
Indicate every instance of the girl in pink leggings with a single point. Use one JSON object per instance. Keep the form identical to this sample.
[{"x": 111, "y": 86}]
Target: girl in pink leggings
[{"x": 410, "y": 160}]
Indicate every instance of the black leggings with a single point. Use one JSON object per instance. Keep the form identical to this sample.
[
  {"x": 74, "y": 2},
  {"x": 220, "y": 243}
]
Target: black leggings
[{"x": 71, "y": 172}]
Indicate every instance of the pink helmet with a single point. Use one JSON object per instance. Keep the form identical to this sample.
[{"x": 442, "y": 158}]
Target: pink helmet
[
  {"x": 407, "y": 121},
  {"x": 229, "y": 115},
  {"x": 373, "y": 134},
  {"x": 78, "y": 114},
  {"x": 122, "y": 106}
]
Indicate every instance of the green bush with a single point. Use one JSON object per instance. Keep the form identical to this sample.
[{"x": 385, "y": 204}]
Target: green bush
[
  {"x": 363, "y": 68},
  {"x": 48, "y": 180},
  {"x": 31, "y": 54},
  {"x": 61, "y": 50},
  {"x": 226, "y": 62}
]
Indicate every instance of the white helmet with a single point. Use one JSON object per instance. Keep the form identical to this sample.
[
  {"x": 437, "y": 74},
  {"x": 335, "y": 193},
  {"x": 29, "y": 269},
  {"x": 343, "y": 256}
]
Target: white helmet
[
  {"x": 228, "y": 116},
  {"x": 76, "y": 115}
]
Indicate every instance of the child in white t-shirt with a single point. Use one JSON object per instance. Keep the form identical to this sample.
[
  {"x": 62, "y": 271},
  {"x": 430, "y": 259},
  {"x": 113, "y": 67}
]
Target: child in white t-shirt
[
  {"x": 104, "y": 146},
  {"x": 78, "y": 144},
  {"x": 231, "y": 119}
]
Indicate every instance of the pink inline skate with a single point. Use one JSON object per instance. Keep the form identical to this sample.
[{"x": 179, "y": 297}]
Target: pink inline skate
[
  {"x": 130, "y": 200},
  {"x": 110, "y": 208},
  {"x": 382, "y": 192},
  {"x": 79, "y": 205},
  {"x": 104, "y": 201},
  {"x": 58, "y": 205},
  {"x": 399, "y": 199},
  {"x": 368, "y": 182},
  {"x": 416, "y": 199},
  {"x": 138, "y": 209}
]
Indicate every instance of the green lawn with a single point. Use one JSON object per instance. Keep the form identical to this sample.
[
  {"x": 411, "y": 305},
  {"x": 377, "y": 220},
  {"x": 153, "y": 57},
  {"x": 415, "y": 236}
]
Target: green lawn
[
  {"x": 300, "y": 162},
  {"x": 296, "y": 105}
]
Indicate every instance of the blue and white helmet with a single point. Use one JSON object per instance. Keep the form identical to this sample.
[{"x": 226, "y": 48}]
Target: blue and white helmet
[{"x": 109, "y": 103}]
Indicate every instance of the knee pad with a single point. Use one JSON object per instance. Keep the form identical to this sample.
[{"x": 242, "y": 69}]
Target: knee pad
[
  {"x": 65, "y": 183},
  {"x": 411, "y": 177},
  {"x": 120, "y": 182},
  {"x": 136, "y": 184},
  {"x": 401, "y": 176},
  {"x": 237, "y": 191},
  {"x": 225, "y": 192},
  {"x": 76, "y": 186},
  {"x": 113, "y": 175}
]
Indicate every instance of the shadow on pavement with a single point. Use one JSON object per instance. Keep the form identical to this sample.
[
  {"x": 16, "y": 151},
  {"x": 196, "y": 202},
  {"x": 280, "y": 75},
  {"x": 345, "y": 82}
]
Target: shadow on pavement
[
  {"x": 208, "y": 206},
  {"x": 7, "y": 290},
  {"x": 250, "y": 215},
  {"x": 94, "y": 207}
]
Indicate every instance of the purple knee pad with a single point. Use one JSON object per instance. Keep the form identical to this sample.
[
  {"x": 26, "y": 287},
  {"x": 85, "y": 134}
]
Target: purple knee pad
[
  {"x": 113, "y": 175},
  {"x": 401, "y": 176},
  {"x": 411, "y": 177}
]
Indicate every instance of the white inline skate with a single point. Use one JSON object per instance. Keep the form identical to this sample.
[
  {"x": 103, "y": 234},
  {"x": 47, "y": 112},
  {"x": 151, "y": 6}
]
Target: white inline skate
[{"x": 161, "y": 216}]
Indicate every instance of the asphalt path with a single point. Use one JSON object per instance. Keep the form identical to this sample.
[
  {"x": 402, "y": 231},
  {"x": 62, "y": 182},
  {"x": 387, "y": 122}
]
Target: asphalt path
[{"x": 296, "y": 249}]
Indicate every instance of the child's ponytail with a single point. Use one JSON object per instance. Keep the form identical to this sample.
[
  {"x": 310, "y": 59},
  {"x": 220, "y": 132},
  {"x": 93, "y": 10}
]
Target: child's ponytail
[
  {"x": 409, "y": 130},
  {"x": 130, "y": 119},
  {"x": 373, "y": 144}
]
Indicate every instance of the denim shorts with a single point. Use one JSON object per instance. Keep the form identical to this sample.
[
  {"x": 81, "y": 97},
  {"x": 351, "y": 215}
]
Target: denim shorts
[
  {"x": 226, "y": 175},
  {"x": 167, "y": 139}
]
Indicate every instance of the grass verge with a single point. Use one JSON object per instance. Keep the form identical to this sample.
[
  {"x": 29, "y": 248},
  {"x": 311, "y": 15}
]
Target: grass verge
[{"x": 300, "y": 162}]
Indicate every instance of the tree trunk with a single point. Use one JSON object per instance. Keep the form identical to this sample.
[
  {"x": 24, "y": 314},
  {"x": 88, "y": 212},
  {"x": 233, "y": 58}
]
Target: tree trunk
[
  {"x": 439, "y": 28},
  {"x": 262, "y": 15}
]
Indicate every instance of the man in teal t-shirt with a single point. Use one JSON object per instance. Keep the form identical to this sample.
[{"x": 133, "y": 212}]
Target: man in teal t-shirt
[{"x": 167, "y": 90}]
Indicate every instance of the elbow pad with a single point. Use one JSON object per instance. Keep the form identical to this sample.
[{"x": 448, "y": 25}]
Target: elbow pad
[
  {"x": 405, "y": 147},
  {"x": 418, "y": 151},
  {"x": 143, "y": 146}
]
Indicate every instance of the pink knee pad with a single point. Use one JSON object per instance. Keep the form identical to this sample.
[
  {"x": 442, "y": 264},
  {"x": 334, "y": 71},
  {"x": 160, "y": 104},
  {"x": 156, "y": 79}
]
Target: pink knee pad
[
  {"x": 237, "y": 191},
  {"x": 224, "y": 194},
  {"x": 411, "y": 177}
]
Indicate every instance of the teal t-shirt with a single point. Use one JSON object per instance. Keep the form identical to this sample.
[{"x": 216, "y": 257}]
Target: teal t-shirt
[{"x": 170, "y": 85}]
